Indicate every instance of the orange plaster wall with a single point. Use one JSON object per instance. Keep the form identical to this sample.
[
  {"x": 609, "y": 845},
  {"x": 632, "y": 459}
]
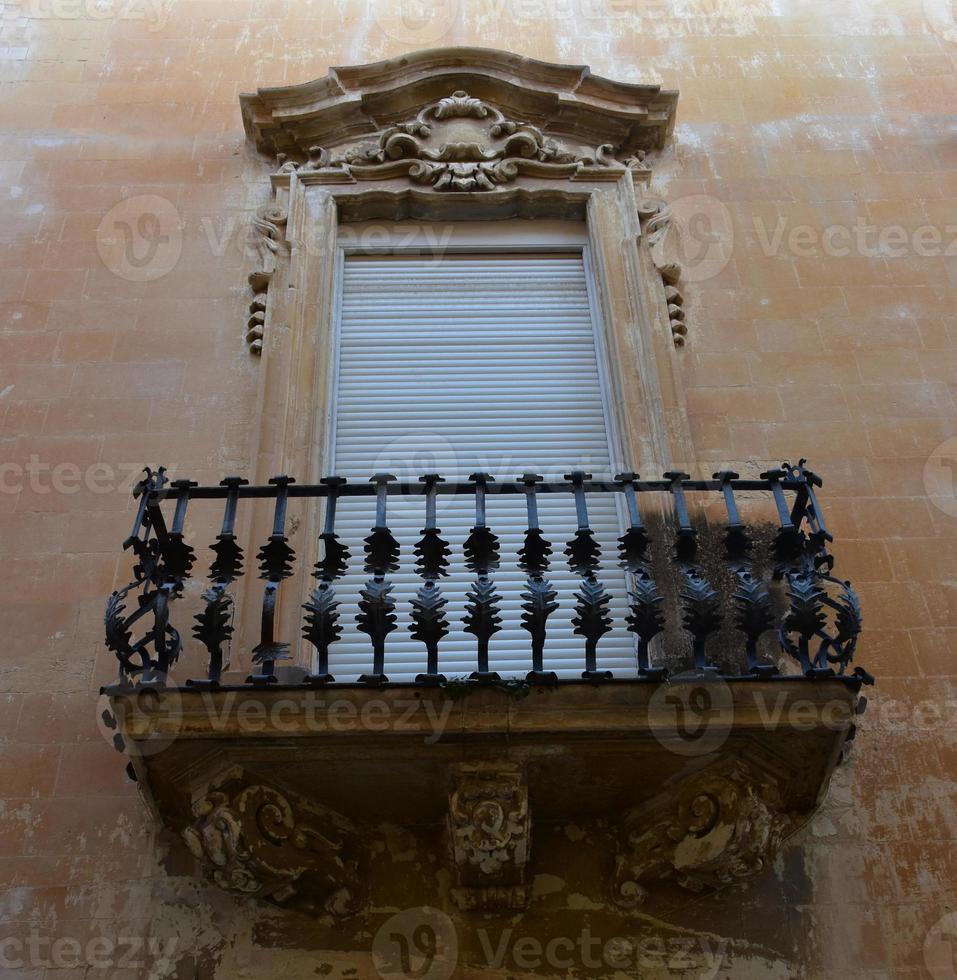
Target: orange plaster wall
[{"x": 796, "y": 117}]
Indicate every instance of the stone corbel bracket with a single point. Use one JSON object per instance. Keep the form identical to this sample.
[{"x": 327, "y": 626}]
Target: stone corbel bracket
[
  {"x": 268, "y": 237},
  {"x": 659, "y": 233},
  {"x": 489, "y": 829},
  {"x": 254, "y": 841},
  {"x": 712, "y": 829}
]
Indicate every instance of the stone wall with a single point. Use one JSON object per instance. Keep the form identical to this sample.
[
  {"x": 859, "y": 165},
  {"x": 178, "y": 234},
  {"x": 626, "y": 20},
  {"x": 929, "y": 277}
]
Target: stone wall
[{"x": 817, "y": 138}]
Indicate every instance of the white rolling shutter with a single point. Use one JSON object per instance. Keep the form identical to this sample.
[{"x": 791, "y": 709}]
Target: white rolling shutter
[{"x": 458, "y": 363}]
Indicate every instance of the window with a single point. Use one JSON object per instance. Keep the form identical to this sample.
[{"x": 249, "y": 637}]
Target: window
[{"x": 481, "y": 355}]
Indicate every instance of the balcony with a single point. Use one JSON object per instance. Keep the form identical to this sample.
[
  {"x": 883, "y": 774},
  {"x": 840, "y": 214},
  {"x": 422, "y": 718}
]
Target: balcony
[{"x": 688, "y": 721}]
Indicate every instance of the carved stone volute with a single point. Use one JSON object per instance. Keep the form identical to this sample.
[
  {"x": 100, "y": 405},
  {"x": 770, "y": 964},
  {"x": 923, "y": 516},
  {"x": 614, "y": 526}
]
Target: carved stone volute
[
  {"x": 714, "y": 828},
  {"x": 659, "y": 231},
  {"x": 253, "y": 840},
  {"x": 268, "y": 229}
]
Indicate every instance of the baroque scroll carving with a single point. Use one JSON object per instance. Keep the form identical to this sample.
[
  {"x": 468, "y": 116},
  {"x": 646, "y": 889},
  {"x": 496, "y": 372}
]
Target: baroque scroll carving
[
  {"x": 257, "y": 842},
  {"x": 268, "y": 229},
  {"x": 489, "y": 836},
  {"x": 715, "y": 828},
  {"x": 658, "y": 228},
  {"x": 461, "y": 143}
]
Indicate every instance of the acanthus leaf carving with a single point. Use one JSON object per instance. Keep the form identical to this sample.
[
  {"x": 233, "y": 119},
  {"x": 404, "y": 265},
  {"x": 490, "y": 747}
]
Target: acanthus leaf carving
[
  {"x": 489, "y": 836},
  {"x": 253, "y": 840},
  {"x": 713, "y": 829}
]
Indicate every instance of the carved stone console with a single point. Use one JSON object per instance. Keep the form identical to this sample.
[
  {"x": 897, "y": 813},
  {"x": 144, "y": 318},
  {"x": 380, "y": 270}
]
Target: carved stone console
[
  {"x": 713, "y": 828},
  {"x": 254, "y": 840},
  {"x": 489, "y": 836}
]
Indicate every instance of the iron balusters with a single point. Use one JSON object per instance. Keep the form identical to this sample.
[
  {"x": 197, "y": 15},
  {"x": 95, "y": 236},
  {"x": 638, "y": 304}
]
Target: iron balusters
[
  {"x": 321, "y": 626},
  {"x": 482, "y": 617},
  {"x": 645, "y": 614},
  {"x": 376, "y": 616},
  {"x": 432, "y": 555},
  {"x": 753, "y": 610},
  {"x": 539, "y": 596},
  {"x": 816, "y": 623},
  {"x": 699, "y": 601},
  {"x": 583, "y": 553},
  {"x": 275, "y": 566},
  {"x": 214, "y": 626}
]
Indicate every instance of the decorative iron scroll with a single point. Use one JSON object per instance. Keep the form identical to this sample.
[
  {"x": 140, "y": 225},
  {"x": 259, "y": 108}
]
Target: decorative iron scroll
[
  {"x": 148, "y": 658},
  {"x": 816, "y": 619}
]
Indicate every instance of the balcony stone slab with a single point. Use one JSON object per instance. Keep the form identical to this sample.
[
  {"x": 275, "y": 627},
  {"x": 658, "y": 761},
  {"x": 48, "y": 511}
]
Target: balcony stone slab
[{"x": 292, "y": 793}]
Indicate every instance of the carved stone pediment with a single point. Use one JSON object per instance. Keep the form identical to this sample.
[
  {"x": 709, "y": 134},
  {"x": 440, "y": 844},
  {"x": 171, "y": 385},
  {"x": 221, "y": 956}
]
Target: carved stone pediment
[
  {"x": 462, "y": 119},
  {"x": 465, "y": 133}
]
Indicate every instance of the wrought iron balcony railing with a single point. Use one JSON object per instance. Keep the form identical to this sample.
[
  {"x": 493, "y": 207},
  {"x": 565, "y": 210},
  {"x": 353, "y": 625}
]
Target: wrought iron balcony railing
[{"x": 701, "y": 593}]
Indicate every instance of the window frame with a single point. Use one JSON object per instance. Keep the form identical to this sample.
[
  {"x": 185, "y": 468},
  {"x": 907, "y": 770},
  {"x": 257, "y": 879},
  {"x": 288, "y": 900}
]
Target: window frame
[{"x": 645, "y": 397}]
